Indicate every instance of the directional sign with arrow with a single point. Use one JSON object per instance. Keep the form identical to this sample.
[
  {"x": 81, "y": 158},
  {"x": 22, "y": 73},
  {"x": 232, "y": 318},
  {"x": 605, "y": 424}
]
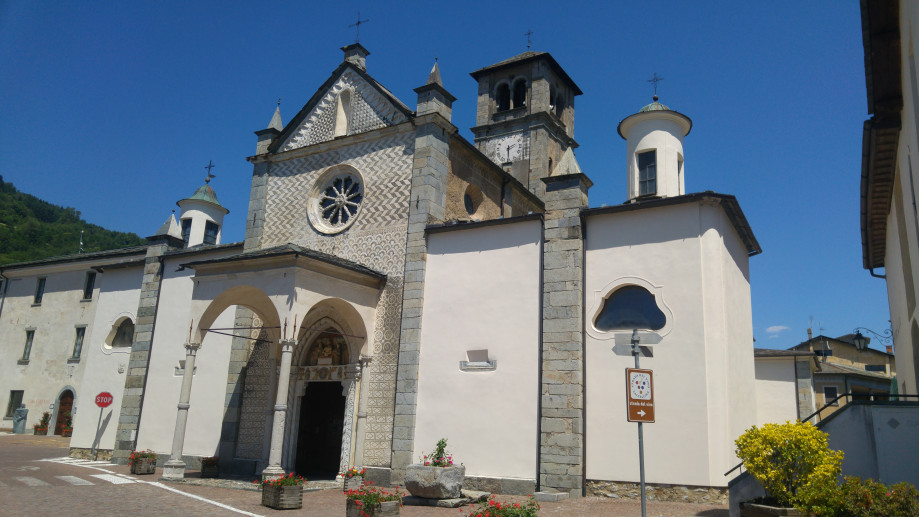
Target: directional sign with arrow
[{"x": 639, "y": 395}]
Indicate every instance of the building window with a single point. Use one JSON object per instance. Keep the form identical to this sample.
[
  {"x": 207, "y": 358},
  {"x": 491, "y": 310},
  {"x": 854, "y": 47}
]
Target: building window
[
  {"x": 647, "y": 173},
  {"x": 630, "y": 307},
  {"x": 335, "y": 200},
  {"x": 14, "y": 403},
  {"x": 27, "y": 350},
  {"x": 875, "y": 368},
  {"x": 39, "y": 291},
  {"x": 503, "y": 97},
  {"x": 520, "y": 93},
  {"x": 210, "y": 232},
  {"x": 124, "y": 335},
  {"x": 829, "y": 395},
  {"x": 827, "y": 352},
  {"x": 88, "y": 285},
  {"x": 78, "y": 342},
  {"x": 342, "y": 114},
  {"x": 186, "y": 230}
]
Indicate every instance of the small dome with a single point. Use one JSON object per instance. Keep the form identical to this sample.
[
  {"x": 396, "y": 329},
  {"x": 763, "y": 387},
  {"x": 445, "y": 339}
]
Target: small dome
[
  {"x": 654, "y": 106},
  {"x": 205, "y": 193}
]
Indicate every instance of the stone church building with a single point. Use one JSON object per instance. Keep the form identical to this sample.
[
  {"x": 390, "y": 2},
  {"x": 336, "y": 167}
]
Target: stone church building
[{"x": 399, "y": 284}]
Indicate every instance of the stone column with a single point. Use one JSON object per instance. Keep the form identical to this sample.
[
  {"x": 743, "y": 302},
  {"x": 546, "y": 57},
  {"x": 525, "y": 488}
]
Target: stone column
[
  {"x": 561, "y": 440},
  {"x": 175, "y": 467},
  {"x": 274, "y": 469}
]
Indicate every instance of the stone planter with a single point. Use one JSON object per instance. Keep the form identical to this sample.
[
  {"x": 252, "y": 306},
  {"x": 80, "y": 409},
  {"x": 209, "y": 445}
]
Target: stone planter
[
  {"x": 40, "y": 430},
  {"x": 353, "y": 483},
  {"x": 387, "y": 509},
  {"x": 210, "y": 471},
  {"x": 435, "y": 482},
  {"x": 762, "y": 510},
  {"x": 282, "y": 497},
  {"x": 144, "y": 466}
]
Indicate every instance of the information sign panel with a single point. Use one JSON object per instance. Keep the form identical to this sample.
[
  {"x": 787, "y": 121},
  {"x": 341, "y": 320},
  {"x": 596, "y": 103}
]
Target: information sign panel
[{"x": 639, "y": 392}]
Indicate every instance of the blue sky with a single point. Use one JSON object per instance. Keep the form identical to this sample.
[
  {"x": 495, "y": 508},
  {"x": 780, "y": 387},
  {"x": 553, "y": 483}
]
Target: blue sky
[{"x": 115, "y": 108}]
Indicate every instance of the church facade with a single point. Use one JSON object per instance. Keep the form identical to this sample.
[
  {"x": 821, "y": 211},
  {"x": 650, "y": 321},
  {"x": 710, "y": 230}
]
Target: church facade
[{"x": 399, "y": 284}]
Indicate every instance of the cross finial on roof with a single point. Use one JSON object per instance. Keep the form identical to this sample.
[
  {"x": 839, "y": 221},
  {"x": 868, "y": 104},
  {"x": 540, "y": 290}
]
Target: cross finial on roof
[
  {"x": 279, "y": 102},
  {"x": 209, "y": 166},
  {"x": 529, "y": 33},
  {"x": 357, "y": 26},
  {"x": 655, "y": 79}
]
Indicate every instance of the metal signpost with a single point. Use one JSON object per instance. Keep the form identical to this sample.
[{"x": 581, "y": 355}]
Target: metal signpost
[
  {"x": 639, "y": 392},
  {"x": 103, "y": 400}
]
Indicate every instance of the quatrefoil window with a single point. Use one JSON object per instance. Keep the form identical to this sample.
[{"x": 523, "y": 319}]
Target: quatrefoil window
[{"x": 336, "y": 199}]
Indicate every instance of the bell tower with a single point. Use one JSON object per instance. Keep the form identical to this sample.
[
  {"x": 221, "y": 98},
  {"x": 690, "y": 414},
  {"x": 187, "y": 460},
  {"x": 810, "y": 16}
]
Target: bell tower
[{"x": 525, "y": 116}]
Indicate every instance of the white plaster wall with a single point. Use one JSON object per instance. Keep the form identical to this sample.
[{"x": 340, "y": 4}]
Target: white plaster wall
[
  {"x": 776, "y": 390},
  {"x": 685, "y": 251},
  {"x": 667, "y": 138},
  {"x": 119, "y": 296},
  {"x": 482, "y": 292},
  {"x": 200, "y": 213},
  {"x": 208, "y": 394},
  {"x": 62, "y": 309}
]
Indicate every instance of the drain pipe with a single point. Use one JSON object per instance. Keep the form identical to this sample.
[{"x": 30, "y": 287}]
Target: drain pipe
[{"x": 875, "y": 275}]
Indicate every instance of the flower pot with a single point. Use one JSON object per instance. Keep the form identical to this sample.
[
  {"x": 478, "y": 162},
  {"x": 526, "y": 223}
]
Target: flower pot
[
  {"x": 67, "y": 433},
  {"x": 387, "y": 509},
  {"x": 41, "y": 430},
  {"x": 435, "y": 482},
  {"x": 282, "y": 497},
  {"x": 210, "y": 471},
  {"x": 762, "y": 510},
  {"x": 354, "y": 483},
  {"x": 143, "y": 466}
]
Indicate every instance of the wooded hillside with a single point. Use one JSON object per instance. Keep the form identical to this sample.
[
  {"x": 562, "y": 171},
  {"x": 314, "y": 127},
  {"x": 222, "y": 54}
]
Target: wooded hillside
[{"x": 32, "y": 229}]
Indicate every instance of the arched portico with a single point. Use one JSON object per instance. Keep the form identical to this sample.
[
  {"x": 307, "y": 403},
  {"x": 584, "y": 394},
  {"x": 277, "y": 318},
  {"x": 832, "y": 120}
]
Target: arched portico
[{"x": 325, "y": 389}]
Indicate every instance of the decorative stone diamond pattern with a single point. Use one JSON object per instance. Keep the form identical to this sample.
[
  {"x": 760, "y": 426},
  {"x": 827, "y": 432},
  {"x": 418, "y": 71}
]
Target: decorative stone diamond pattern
[
  {"x": 256, "y": 395},
  {"x": 344, "y": 463},
  {"x": 369, "y": 110},
  {"x": 386, "y": 167}
]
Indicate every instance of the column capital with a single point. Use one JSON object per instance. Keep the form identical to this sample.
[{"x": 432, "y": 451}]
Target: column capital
[{"x": 192, "y": 348}]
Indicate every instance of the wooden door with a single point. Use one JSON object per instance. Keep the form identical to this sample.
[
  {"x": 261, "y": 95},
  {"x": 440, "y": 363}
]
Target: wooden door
[{"x": 64, "y": 408}]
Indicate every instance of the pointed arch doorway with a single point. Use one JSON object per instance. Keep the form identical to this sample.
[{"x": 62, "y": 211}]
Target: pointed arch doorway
[{"x": 322, "y": 407}]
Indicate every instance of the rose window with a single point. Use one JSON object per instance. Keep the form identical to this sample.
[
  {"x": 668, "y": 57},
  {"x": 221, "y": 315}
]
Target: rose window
[{"x": 336, "y": 199}]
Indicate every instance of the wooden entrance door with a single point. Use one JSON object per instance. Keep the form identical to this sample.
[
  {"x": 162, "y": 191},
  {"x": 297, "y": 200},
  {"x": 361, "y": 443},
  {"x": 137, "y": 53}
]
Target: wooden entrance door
[
  {"x": 64, "y": 408},
  {"x": 322, "y": 418}
]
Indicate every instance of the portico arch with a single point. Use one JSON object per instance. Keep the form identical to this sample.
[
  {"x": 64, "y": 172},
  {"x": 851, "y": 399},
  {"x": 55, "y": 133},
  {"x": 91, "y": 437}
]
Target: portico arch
[{"x": 247, "y": 296}]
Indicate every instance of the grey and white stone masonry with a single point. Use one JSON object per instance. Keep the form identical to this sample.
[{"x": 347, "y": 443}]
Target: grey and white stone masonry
[{"x": 561, "y": 440}]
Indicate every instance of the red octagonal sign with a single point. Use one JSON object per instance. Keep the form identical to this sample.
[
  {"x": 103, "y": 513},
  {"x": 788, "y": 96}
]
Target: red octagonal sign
[{"x": 104, "y": 399}]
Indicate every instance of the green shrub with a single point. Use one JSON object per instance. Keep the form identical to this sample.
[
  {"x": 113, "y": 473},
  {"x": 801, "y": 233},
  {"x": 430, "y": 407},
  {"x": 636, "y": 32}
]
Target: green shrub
[
  {"x": 868, "y": 498},
  {"x": 792, "y": 461},
  {"x": 492, "y": 508}
]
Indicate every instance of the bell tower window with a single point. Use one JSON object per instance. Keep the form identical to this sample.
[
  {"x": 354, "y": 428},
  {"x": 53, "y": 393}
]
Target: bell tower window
[
  {"x": 186, "y": 230},
  {"x": 647, "y": 173},
  {"x": 520, "y": 93},
  {"x": 503, "y": 97},
  {"x": 210, "y": 232}
]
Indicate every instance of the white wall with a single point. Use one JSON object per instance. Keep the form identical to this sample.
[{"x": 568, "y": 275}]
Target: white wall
[
  {"x": 54, "y": 321},
  {"x": 119, "y": 295},
  {"x": 208, "y": 393},
  {"x": 703, "y": 384},
  {"x": 482, "y": 292},
  {"x": 776, "y": 390}
]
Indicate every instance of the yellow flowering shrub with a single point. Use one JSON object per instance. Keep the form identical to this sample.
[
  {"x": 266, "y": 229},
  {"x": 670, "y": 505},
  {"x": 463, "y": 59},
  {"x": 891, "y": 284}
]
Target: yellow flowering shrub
[{"x": 792, "y": 460}]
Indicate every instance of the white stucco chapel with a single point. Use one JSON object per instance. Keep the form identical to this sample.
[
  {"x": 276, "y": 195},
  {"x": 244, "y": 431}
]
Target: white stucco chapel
[{"x": 399, "y": 284}]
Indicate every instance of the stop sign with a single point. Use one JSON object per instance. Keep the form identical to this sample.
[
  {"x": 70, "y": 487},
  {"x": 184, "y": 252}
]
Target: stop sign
[{"x": 104, "y": 399}]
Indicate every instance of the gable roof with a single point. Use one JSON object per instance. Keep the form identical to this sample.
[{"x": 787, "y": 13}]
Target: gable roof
[{"x": 317, "y": 97}]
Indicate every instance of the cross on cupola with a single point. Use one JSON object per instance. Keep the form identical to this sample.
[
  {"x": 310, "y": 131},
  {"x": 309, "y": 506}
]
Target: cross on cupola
[
  {"x": 357, "y": 26},
  {"x": 209, "y": 166},
  {"x": 655, "y": 79},
  {"x": 528, "y": 34}
]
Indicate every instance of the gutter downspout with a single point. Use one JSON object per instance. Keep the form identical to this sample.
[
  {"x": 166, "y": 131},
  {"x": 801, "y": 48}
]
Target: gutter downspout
[{"x": 875, "y": 275}]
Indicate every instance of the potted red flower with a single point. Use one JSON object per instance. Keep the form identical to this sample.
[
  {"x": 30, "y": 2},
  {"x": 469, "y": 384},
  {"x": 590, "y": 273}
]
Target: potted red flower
[
  {"x": 42, "y": 426},
  {"x": 370, "y": 501},
  {"x": 283, "y": 493},
  {"x": 142, "y": 462},
  {"x": 354, "y": 478}
]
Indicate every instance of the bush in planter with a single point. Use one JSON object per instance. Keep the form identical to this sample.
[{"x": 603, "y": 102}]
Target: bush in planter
[
  {"x": 492, "y": 508},
  {"x": 865, "y": 498},
  {"x": 354, "y": 472},
  {"x": 792, "y": 461},
  {"x": 142, "y": 462},
  {"x": 209, "y": 466},
  {"x": 439, "y": 458}
]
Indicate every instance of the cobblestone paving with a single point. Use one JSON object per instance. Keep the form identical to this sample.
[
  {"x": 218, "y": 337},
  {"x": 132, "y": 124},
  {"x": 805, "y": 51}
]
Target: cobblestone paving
[{"x": 36, "y": 479}]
